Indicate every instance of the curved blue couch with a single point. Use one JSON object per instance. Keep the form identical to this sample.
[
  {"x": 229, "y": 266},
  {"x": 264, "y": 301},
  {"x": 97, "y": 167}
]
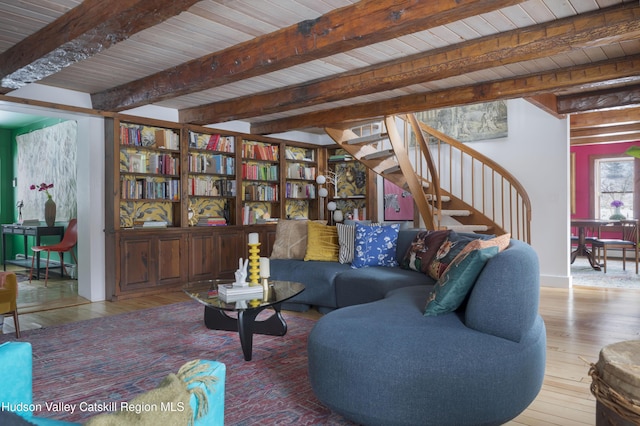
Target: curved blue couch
[{"x": 385, "y": 363}]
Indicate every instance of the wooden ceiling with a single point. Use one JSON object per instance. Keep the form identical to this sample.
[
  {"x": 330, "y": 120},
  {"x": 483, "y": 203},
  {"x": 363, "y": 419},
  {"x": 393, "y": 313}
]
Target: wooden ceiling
[{"x": 302, "y": 64}]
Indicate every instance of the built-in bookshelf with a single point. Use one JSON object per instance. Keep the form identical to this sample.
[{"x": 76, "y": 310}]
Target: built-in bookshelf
[
  {"x": 260, "y": 181},
  {"x": 211, "y": 181},
  {"x": 300, "y": 182},
  {"x": 182, "y": 199},
  {"x": 149, "y": 175}
]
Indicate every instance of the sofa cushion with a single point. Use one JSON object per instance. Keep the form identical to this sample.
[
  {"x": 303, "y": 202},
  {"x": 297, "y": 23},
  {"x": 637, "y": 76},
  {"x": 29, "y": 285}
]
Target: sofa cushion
[
  {"x": 364, "y": 285},
  {"x": 291, "y": 240},
  {"x": 318, "y": 279},
  {"x": 322, "y": 242},
  {"x": 457, "y": 280},
  {"x": 449, "y": 249},
  {"x": 375, "y": 246},
  {"x": 423, "y": 249}
]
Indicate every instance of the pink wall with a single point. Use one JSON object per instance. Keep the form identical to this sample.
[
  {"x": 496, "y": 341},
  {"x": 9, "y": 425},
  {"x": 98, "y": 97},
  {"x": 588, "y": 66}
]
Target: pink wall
[{"x": 582, "y": 164}]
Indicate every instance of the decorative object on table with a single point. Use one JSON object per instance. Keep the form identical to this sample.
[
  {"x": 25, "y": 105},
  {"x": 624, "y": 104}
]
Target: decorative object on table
[
  {"x": 254, "y": 258},
  {"x": 49, "y": 205},
  {"x": 241, "y": 273},
  {"x": 265, "y": 273},
  {"x": 20, "y": 205},
  {"x": 617, "y": 214}
]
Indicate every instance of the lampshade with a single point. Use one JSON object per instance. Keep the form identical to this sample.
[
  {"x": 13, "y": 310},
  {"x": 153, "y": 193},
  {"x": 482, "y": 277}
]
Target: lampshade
[
  {"x": 331, "y": 206},
  {"x": 323, "y": 192},
  {"x": 320, "y": 180}
]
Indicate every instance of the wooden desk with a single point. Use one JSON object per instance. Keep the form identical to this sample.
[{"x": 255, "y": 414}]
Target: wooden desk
[
  {"x": 27, "y": 231},
  {"x": 581, "y": 249}
]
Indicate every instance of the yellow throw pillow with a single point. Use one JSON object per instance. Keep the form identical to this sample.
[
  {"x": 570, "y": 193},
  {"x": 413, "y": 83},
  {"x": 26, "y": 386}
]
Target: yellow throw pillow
[{"x": 322, "y": 242}]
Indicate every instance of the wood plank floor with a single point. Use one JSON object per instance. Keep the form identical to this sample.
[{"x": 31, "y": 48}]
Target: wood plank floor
[{"x": 579, "y": 323}]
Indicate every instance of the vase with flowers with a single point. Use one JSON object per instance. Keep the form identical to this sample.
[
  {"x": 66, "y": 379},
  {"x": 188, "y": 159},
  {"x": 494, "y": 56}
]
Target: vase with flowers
[
  {"x": 617, "y": 214},
  {"x": 49, "y": 205}
]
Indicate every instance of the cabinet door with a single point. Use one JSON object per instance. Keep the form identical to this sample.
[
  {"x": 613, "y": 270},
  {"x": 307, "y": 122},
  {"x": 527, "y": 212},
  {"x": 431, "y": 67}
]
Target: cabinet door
[
  {"x": 202, "y": 261},
  {"x": 169, "y": 260},
  {"x": 231, "y": 247},
  {"x": 135, "y": 257}
]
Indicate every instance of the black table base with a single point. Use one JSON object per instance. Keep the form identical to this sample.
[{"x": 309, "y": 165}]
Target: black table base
[{"x": 246, "y": 325}]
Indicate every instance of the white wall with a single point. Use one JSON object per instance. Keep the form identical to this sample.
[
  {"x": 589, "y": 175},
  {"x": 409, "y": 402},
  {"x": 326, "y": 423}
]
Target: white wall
[{"x": 536, "y": 152}]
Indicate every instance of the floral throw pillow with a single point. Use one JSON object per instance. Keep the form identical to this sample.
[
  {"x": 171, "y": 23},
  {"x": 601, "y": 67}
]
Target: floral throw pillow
[
  {"x": 375, "y": 246},
  {"x": 423, "y": 249}
]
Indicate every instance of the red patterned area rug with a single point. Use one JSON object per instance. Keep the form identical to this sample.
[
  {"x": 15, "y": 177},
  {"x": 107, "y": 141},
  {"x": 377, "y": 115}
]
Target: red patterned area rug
[{"x": 115, "y": 358}]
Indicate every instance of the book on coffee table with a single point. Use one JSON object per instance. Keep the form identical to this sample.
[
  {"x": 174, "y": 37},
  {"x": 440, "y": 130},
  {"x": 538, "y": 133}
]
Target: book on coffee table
[{"x": 231, "y": 293}]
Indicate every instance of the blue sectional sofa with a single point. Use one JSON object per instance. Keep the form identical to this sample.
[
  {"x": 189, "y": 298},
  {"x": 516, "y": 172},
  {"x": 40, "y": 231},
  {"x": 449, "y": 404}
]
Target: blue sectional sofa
[
  {"x": 332, "y": 285},
  {"x": 378, "y": 360}
]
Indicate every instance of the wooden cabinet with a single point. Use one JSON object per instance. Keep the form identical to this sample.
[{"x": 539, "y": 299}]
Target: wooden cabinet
[
  {"x": 150, "y": 259},
  {"x": 184, "y": 179}
]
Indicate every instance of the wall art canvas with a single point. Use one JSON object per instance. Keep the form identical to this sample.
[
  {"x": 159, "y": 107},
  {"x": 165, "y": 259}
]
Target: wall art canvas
[
  {"x": 398, "y": 203},
  {"x": 469, "y": 122},
  {"x": 48, "y": 156}
]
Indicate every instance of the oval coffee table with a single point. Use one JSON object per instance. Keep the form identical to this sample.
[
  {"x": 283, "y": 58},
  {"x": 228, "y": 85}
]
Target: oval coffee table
[{"x": 216, "y": 311}]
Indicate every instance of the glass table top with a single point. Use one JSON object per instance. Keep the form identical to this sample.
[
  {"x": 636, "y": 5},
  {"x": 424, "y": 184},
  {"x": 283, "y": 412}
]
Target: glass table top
[{"x": 207, "y": 292}]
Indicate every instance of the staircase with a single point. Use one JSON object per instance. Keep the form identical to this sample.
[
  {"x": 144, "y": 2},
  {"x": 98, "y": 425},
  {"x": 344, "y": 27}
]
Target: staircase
[{"x": 453, "y": 186}]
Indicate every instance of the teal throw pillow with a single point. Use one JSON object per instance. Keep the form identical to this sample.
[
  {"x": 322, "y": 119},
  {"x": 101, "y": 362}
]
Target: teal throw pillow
[
  {"x": 457, "y": 281},
  {"x": 375, "y": 245}
]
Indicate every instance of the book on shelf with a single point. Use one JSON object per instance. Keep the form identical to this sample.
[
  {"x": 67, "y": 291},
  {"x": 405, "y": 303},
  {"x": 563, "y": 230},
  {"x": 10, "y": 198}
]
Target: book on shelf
[
  {"x": 233, "y": 293},
  {"x": 340, "y": 157},
  {"x": 211, "y": 221},
  {"x": 155, "y": 224},
  {"x": 168, "y": 139}
]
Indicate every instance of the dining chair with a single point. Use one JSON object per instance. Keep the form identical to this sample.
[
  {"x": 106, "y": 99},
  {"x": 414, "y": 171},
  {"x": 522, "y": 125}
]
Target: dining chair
[
  {"x": 66, "y": 245},
  {"x": 9, "y": 297},
  {"x": 629, "y": 241}
]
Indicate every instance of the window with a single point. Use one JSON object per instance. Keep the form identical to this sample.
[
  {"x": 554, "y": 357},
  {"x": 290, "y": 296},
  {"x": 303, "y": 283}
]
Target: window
[{"x": 614, "y": 182}]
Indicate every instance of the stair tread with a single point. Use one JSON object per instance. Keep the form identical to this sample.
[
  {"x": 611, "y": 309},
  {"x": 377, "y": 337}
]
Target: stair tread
[
  {"x": 385, "y": 153},
  {"x": 455, "y": 212},
  {"x": 368, "y": 139}
]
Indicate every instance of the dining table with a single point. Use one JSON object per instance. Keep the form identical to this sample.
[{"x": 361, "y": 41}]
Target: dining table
[{"x": 582, "y": 225}]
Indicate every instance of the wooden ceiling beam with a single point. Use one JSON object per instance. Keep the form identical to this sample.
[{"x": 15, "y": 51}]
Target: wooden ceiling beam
[
  {"x": 626, "y": 137},
  {"x": 601, "y": 27},
  {"x": 597, "y": 100},
  {"x": 361, "y": 24},
  {"x": 524, "y": 86},
  {"x": 85, "y": 30},
  {"x": 617, "y": 129},
  {"x": 547, "y": 102},
  {"x": 605, "y": 118}
]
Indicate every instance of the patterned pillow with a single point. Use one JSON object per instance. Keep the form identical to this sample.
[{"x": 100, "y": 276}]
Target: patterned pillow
[
  {"x": 375, "y": 246},
  {"x": 423, "y": 249},
  {"x": 449, "y": 249},
  {"x": 291, "y": 240},
  {"x": 322, "y": 242},
  {"x": 502, "y": 242},
  {"x": 457, "y": 281},
  {"x": 346, "y": 239}
]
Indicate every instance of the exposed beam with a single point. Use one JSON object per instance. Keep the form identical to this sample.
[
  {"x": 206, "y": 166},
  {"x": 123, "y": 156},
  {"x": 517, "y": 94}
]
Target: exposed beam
[
  {"x": 366, "y": 22},
  {"x": 538, "y": 41},
  {"x": 85, "y": 30},
  {"x": 627, "y": 137},
  {"x": 605, "y": 118},
  {"x": 601, "y": 99},
  {"x": 619, "y": 129},
  {"x": 524, "y": 86},
  {"x": 547, "y": 102}
]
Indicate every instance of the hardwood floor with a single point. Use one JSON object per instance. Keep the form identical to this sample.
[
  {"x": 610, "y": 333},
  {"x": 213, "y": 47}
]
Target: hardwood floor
[{"x": 579, "y": 323}]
